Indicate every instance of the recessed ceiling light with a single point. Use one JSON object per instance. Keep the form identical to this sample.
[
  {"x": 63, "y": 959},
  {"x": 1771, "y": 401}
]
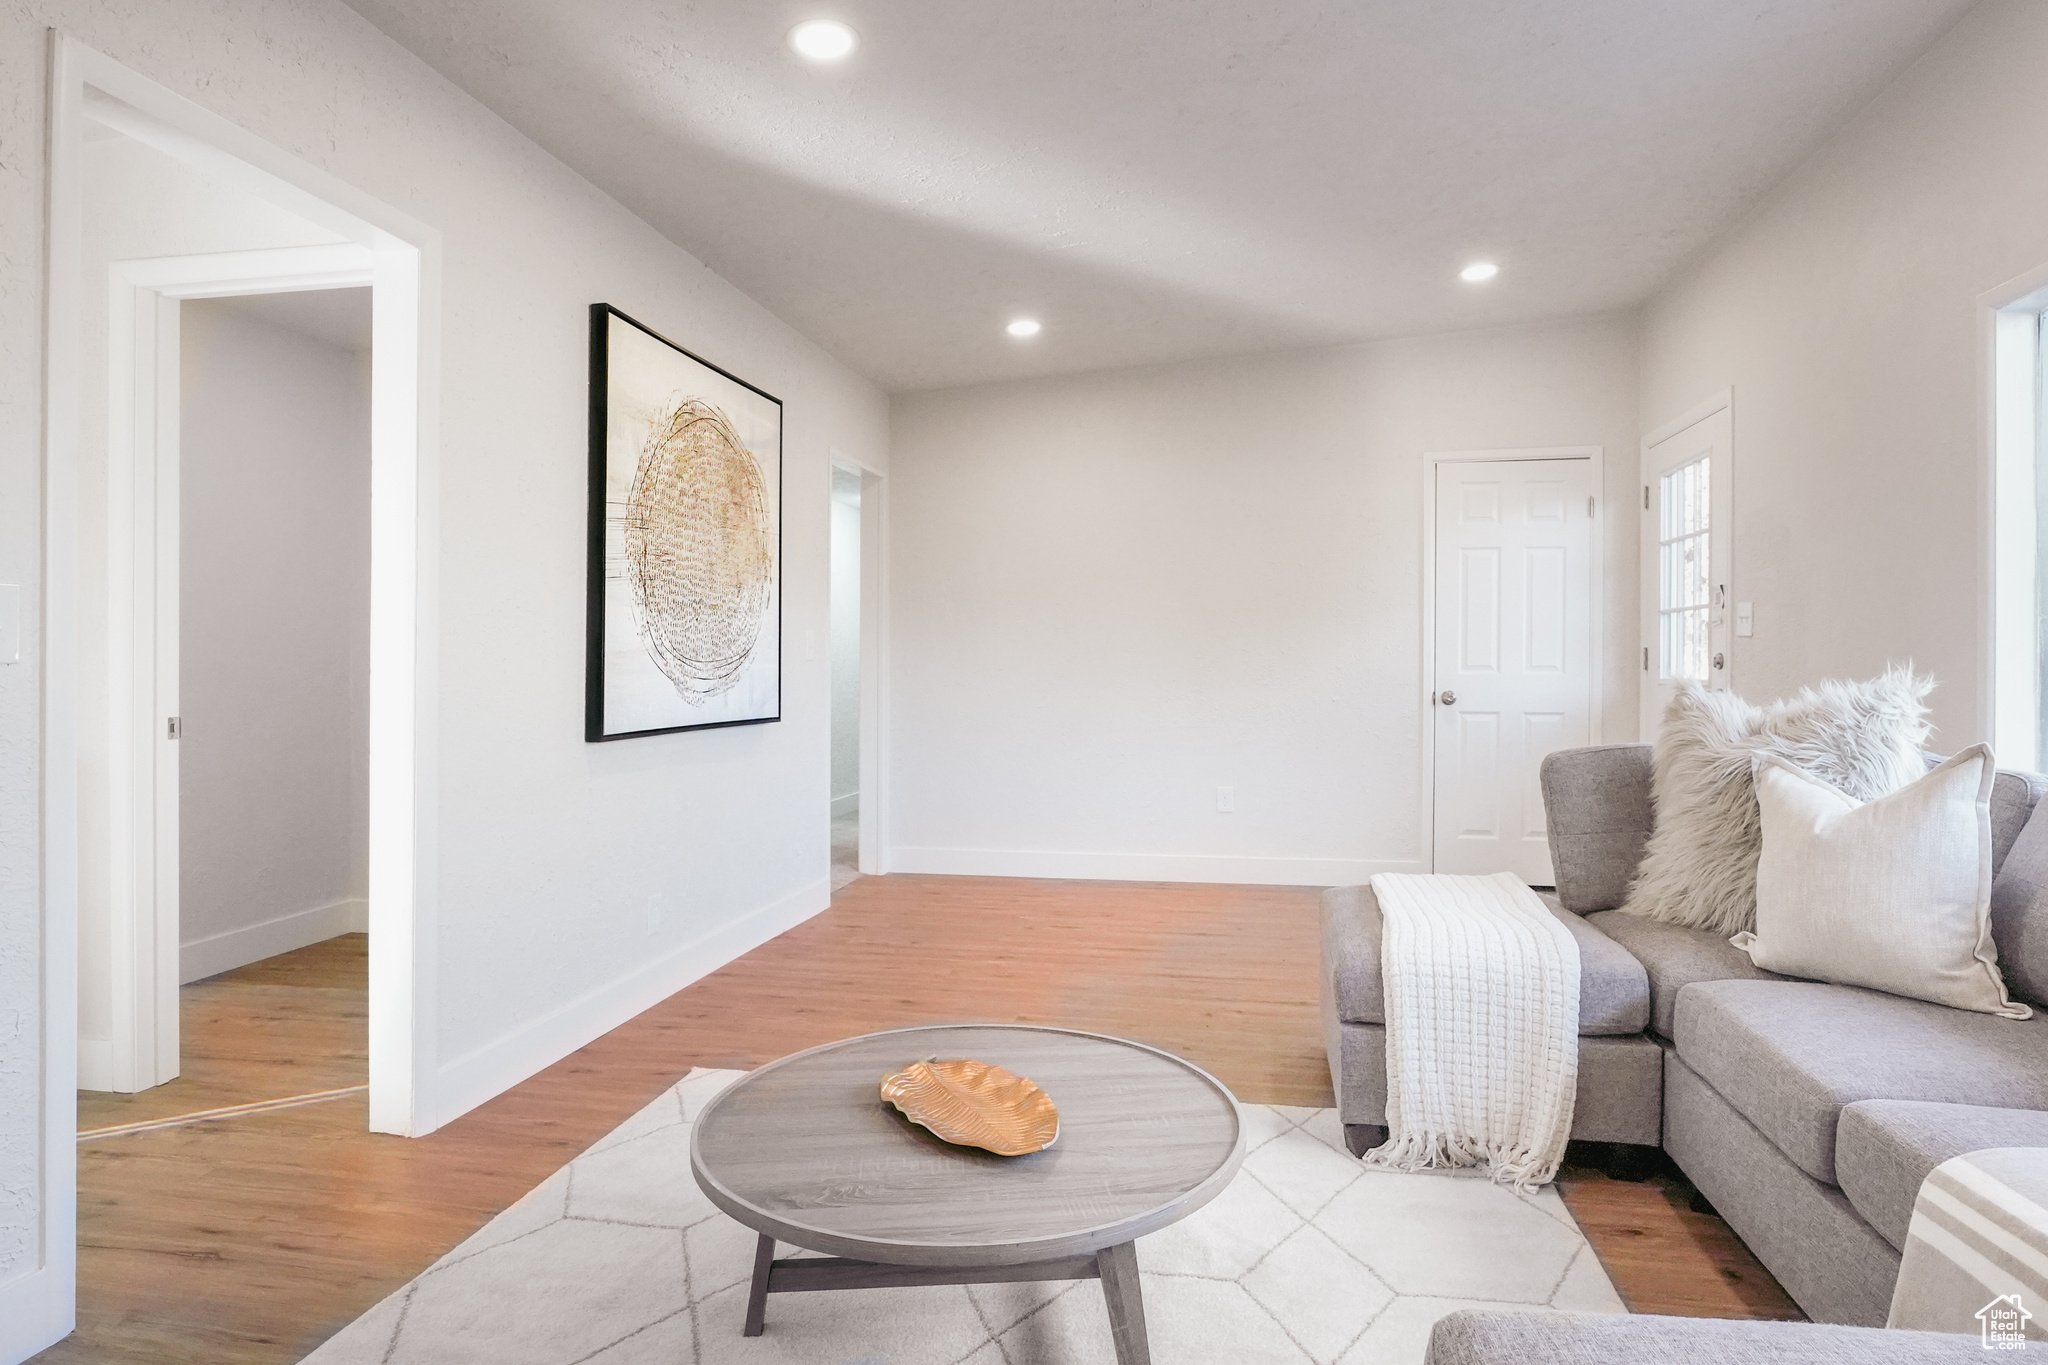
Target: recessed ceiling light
[
  {"x": 1023, "y": 327},
  {"x": 1477, "y": 271},
  {"x": 823, "y": 40}
]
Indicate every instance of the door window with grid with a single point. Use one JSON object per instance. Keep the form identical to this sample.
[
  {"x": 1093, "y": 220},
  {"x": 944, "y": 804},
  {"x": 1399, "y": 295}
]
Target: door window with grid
[{"x": 1685, "y": 571}]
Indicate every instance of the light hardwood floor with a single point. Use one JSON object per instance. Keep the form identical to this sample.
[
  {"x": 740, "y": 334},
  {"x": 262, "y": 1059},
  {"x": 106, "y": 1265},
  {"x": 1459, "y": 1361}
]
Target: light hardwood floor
[
  {"x": 253, "y": 1239},
  {"x": 289, "y": 1025}
]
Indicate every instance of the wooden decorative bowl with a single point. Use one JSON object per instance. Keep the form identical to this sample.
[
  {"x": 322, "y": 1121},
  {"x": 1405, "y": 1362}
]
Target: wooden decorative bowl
[{"x": 976, "y": 1105}]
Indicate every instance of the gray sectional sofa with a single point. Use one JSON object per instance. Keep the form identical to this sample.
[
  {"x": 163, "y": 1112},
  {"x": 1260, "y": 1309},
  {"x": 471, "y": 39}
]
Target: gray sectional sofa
[
  {"x": 1808, "y": 1114},
  {"x": 1479, "y": 1337}
]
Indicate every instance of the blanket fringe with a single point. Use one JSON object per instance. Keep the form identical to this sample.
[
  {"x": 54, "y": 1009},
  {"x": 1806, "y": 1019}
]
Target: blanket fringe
[{"x": 1510, "y": 1164}]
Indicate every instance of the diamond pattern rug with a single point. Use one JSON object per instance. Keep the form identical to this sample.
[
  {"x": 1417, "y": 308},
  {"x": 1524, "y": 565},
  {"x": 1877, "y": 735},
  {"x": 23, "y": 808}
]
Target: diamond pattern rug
[{"x": 617, "y": 1259}]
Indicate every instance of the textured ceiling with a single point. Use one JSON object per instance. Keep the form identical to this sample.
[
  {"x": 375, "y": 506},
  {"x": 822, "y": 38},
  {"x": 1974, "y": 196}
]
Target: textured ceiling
[{"x": 1159, "y": 181}]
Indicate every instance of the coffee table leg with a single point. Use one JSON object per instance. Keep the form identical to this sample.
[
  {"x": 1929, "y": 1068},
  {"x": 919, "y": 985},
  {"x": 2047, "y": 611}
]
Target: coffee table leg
[
  {"x": 1119, "y": 1269},
  {"x": 757, "y": 1298}
]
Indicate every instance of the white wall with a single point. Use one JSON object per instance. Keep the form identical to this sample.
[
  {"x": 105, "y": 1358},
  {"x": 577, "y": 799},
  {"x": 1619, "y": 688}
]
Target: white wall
[
  {"x": 1113, "y": 593},
  {"x": 1844, "y": 315},
  {"x": 571, "y": 883},
  {"x": 274, "y": 620},
  {"x": 845, "y": 642}
]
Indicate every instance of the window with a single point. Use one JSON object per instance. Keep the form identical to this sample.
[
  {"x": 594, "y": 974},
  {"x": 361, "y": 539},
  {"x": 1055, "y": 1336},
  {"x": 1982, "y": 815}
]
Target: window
[
  {"x": 2036, "y": 759},
  {"x": 2019, "y": 553},
  {"x": 1687, "y": 555},
  {"x": 1684, "y": 571}
]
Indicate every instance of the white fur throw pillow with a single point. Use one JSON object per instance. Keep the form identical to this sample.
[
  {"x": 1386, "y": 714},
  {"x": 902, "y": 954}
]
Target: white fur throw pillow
[
  {"x": 1699, "y": 867},
  {"x": 1893, "y": 894}
]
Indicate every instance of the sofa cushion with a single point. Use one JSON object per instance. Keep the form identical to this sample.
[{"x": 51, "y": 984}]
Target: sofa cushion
[
  {"x": 1885, "y": 1148},
  {"x": 1596, "y": 804},
  {"x": 2015, "y": 796},
  {"x": 1808, "y": 1235},
  {"x": 1534, "y": 1337},
  {"x": 1791, "y": 1055},
  {"x": 2019, "y": 894},
  {"x": 1674, "y": 957},
  {"x": 1614, "y": 992}
]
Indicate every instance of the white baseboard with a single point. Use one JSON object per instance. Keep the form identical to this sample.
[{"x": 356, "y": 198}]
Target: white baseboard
[
  {"x": 845, "y": 805},
  {"x": 497, "y": 1066},
  {"x": 219, "y": 953},
  {"x": 95, "y": 1064},
  {"x": 36, "y": 1312},
  {"x": 1145, "y": 867}
]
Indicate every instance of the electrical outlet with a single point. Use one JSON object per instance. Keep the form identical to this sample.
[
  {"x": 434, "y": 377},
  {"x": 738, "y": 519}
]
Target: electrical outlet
[
  {"x": 1745, "y": 619},
  {"x": 1226, "y": 800}
]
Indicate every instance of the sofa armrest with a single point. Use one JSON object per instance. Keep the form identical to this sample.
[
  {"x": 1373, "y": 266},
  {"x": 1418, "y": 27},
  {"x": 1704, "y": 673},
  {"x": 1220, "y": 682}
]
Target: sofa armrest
[
  {"x": 1597, "y": 805},
  {"x": 1351, "y": 954},
  {"x": 1980, "y": 1208},
  {"x": 1535, "y": 1337}
]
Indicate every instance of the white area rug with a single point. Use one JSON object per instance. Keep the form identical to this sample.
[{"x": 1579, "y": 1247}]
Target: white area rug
[{"x": 616, "y": 1259}]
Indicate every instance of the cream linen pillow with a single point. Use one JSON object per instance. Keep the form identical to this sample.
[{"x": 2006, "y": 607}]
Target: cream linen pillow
[{"x": 1894, "y": 894}]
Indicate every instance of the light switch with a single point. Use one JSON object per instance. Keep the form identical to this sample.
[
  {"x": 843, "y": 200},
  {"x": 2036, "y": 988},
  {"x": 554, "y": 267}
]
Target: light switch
[
  {"x": 10, "y": 623},
  {"x": 1745, "y": 620},
  {"x": 1226, "y": 800}
]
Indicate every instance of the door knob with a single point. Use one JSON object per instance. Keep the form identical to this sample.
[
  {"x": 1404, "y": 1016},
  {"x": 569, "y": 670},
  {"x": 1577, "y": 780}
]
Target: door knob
[
  {"x": 1720, "y": 661},
  {"x": 1448, "y": 698}
]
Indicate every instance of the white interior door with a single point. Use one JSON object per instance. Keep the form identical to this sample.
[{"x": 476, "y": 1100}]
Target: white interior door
[
  {"x": 138, "y": 958},
  {"x": 1688, "y": 506},
  {"x": 1514, "y": 653}
]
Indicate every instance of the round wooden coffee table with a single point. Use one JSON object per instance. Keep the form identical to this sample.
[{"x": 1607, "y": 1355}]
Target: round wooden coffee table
[{"x": 806, "y": 1151}]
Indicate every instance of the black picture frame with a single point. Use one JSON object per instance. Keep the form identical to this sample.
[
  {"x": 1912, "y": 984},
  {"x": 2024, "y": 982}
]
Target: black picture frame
[{"x": 605, "y": 630}]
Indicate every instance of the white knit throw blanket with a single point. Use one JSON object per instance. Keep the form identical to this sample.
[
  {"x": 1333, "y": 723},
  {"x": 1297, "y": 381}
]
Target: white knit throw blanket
[{"x": 1482, "y": 995}]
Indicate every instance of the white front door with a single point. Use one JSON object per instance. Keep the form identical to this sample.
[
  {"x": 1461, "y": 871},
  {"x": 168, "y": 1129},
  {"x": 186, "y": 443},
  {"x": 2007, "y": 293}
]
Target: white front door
[
  {"x": 1514, "y": 653},
  {"x": 1688, "y": 504}
]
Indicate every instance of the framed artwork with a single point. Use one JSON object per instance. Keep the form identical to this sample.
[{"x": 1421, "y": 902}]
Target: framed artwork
[{"x": 685, "y": 577}]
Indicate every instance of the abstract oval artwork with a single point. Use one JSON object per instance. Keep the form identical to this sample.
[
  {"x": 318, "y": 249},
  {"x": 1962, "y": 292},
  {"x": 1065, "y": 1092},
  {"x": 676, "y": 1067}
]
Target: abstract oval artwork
[
  {"x": 684, "y": 576},
  {"x": 975, "y": 1104},
  {"x": 699, "y": 549}
]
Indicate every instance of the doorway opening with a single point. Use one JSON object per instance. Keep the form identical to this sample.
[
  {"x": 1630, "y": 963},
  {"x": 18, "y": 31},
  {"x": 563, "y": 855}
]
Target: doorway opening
[
  {"x": 232, "y": 594},
  {"x": 109, "y": 667},
  {"x": 856, "y": 604},
  {"x": 262, "y": 642},
  {"x": 1512, "y": 623},
  {"x": 845, "y": 676},
  {"x": 227, "y": 413}
]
